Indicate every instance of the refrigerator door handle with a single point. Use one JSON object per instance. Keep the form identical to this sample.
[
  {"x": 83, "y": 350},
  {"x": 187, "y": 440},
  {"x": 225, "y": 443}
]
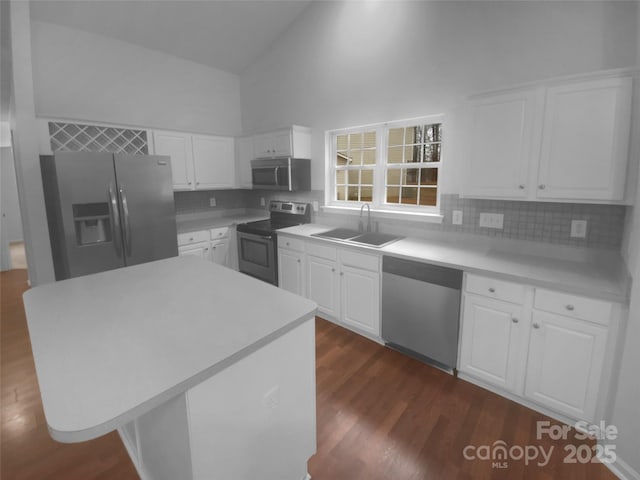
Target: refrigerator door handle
[
  {"x": 115, "y": 224},
  {"x": 125, "y": 220}
]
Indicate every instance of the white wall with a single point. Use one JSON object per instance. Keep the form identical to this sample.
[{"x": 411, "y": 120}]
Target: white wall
[
  {"x": 10, "y": 207},
  {"x": 626, "y": 413},
  {"x": 353, "y": 63},
  {"x": 79, "y": 75}
]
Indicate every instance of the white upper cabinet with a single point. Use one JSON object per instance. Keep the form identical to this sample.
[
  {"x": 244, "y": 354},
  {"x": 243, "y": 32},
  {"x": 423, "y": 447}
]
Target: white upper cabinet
[
  {"x": 501, "y": 138},
  {"x": 564, "y": 141},
  {"x": 585, "y": 140},
  {"x": 289, "y": 142},
  {"x": 198, "y": 162},
  {"x": 178, "y": 147},
  {"x": 213, "y": 160},
  {"x": 244, "y": 150}
]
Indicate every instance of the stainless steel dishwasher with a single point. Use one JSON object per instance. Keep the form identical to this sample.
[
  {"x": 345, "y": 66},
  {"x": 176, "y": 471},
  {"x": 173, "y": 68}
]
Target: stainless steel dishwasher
[{"x": 421, "y": 310}]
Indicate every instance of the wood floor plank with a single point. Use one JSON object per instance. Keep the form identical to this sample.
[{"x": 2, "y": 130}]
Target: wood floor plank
[{"x": 381, "y": 416}]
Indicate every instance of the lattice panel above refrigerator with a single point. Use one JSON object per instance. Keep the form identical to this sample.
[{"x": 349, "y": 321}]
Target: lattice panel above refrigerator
[{"x": 75, "y": 137}]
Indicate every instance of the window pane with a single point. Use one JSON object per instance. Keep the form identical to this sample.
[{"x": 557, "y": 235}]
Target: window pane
[
  {"x": 369, "y": 157},
  {"x": 352, "y": 194},
  {"x": 410, "y": 195},
  {"x": 340, "y": 177},
  {"x": 428, "y": 196},
  {"x": 412, "y": 154},
  {"x": 396, "y": 136},
  {"x": 355, "y": 140},
  {"x": 433, "y": 132},
  {"x": 410, "y": 176},
  {"x": 393, "y": 176},
  {"x": 413, "y": 135},
  {"x": 429, "y": 176},
  {"x": 366, "y": 177},
  {"x": 342, "y": 142},
  {"x": 342, "y": 159},
  {"x": 340, "y": 192},
  {"x": 432, "y": 153},
  {"x": 354, "y": 177},
  {"x": 369, "y": 140},
  {"x": 366, "y": 194},
  {"x": 393, "y": 194},
  {"x": 356, "y": 157},
  {"x": 394, "y": 155}
]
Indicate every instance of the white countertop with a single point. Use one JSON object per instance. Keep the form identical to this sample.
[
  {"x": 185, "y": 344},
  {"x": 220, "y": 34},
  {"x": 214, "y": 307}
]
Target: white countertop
[
  {"x": 600, "y": 274},
  {"x": 111, "y": 346},
  {"x": 192, "y": 222}
]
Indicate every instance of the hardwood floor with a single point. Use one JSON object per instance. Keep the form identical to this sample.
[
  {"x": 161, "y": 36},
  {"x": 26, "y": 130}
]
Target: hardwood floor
[{"x": 381, "y": 415}]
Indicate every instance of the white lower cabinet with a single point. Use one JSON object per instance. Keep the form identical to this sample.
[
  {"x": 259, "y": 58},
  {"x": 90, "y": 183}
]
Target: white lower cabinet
[
  {"x": 555, "y": 358},
  {"x": 343, "y": 282},
  {"x": 220, "y": 251},
  {"x": 565, "y": 363},
  {"x": 493, "y": 341}
]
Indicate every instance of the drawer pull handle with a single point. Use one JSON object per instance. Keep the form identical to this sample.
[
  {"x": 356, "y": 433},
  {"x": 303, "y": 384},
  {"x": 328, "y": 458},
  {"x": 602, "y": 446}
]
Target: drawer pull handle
[
  {"x": 515, "y": 320},
  {"x": 536, "y": 326},
  {"x": 492, "y": 290},
  {"x": 570, "y": 307},
  {"x": 333, "y": 269},
  {"x": 298, "y": 260},
  {"x": 287, "y": 244},
  {"x": 542, "y": 187},
  {"x": 521, "y": 187},
  {"x": 191, "y": 239}
]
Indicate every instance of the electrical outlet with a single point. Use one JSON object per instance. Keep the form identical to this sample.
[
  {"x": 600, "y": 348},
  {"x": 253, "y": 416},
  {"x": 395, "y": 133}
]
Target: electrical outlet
[
  {"x": 315, "y": 205},
  {"x": 492, "y": 220},
  {"x": 578, "y": 228},
  {"x": 456, "y": 218},
  {"x": 262, "y": 202},
  {"x": 212, "y": 202}
]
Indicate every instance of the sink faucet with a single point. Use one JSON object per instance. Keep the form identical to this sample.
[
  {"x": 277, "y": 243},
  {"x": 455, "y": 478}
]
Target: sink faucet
[{"x": 360, "y": 224}]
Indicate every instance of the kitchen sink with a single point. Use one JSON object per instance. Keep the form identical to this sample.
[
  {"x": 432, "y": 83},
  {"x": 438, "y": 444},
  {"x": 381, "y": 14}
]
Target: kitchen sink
[
  {"x": 375, "y": 239},
  {"x": 338, "y": 233},
  {"x": 372, "y": 239}
]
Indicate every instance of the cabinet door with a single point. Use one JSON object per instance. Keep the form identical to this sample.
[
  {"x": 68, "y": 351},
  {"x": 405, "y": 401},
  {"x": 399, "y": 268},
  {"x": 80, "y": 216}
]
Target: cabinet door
[
  {"x": 281, "y": 143},
  {"x": 197, "y": 250},
  {"x": 220, "y": 252},
  {"x": 361, "y": 299},
  {"x": 291, "y": 271},
  {"x": 499, "y": 152},
  {"x": 263, "y": 146},
  {"x": 565, "y": 362},
  {"x": 585, "y": 140},
  {"x": 178, "y": 147},
  {"x": 244, "y": 148},
  {"x": 213, "y": 161},
  {"x": 323, "y": 285},
  {"x": 493, "y": 337}
]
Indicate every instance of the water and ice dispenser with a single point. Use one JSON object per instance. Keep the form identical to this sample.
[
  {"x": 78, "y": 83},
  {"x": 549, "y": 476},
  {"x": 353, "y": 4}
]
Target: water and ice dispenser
[{"x": 92, "y": 223}]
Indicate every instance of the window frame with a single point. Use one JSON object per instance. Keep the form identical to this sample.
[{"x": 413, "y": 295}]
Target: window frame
[{"x": 381, "y": 168}]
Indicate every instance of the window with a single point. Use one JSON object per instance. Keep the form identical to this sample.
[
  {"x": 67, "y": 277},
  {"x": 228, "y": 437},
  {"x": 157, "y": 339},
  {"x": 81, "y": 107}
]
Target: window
[{"x": 393, "y": 166}]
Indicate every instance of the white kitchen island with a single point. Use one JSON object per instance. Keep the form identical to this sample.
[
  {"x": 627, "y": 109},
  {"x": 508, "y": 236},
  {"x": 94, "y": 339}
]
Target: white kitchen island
[{"x": 206, "y": 373}]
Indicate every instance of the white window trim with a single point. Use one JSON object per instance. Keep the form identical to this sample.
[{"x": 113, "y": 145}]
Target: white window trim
[{"x": 382, "y": 209}]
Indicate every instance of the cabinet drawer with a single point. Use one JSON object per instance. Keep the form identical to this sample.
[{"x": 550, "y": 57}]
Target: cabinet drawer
[
  {"x": 221, "y": 232},
  {"x": 193, "y": 237},
  {"x": 360, "y": 260},
  {"x": 596, "y": 311},
  {"x": 291, "y": 243},
  {"x": 498, "y": 289},
  {"x": 322, "y": 251}
]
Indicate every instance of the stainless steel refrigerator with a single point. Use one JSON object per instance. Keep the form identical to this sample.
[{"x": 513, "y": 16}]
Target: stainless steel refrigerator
[{"x": 107, "y": 211}]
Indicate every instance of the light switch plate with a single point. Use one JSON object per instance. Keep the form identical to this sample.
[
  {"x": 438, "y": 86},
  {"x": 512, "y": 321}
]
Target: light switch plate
[
  {"x": 578, "y": 228},
  {"x": 456, "y": 217},
  {"x": 212, "y": 202},
  {"x": 262, "y": 202},
  {"x": 315, "y": 205}
]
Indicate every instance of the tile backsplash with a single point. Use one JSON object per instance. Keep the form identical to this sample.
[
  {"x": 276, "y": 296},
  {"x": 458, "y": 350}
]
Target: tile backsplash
[{"x": 534, "y": 221}]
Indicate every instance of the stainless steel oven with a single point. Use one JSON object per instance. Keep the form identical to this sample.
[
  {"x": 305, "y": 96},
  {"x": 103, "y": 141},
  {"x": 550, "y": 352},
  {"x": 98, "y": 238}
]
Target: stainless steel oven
[
  {"x": 286, "y": 173},
  {"x": 257, "y": 256},
  {"x": 258, "y": 242}
]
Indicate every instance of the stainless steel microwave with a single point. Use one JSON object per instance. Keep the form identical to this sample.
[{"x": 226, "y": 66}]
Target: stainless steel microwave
[{"x": 283, "y": 173}]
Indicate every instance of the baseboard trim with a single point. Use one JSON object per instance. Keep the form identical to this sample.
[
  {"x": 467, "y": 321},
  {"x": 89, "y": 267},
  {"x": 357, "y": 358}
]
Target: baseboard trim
[{"x": 622, "y": 469}]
